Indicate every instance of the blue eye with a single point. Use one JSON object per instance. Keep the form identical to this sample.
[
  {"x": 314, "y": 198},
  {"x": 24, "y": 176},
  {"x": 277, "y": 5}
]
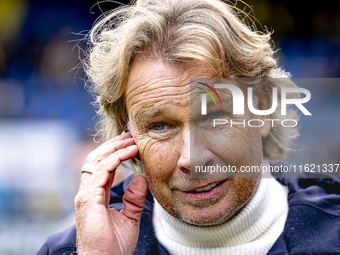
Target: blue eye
[
  {"x": 214, "y": 115},
  {"x": 158, "y": 126}
]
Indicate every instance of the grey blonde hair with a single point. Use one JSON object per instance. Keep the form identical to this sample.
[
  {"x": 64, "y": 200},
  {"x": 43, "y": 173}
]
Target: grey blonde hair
[{"x": 179, "y": 31}]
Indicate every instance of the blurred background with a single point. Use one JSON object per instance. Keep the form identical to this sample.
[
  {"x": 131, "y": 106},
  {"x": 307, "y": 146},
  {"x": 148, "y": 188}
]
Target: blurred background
[{"x": 47, "y": 121}]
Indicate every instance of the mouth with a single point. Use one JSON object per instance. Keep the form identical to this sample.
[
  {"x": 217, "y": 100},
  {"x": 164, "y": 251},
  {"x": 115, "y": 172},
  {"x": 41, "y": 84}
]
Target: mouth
[
  {"x": 207, "y": 192},
  {"x": 206, "y": 188}
]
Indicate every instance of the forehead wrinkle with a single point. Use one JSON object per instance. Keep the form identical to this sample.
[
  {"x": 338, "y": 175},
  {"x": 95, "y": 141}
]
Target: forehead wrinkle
[
  {"x": 143, "y": 115},
  {"x": 163, "y": 77},
  {"x": 157, "y": 88},
  {"x": 158, "y": 95}
]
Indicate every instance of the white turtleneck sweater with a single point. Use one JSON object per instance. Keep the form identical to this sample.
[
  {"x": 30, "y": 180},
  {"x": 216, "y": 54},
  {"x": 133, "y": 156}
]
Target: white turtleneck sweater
[{"x": 252, "y": 231}]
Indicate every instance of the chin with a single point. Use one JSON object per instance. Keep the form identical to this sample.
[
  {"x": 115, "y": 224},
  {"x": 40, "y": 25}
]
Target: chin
[{"x": 209, "y": 216}]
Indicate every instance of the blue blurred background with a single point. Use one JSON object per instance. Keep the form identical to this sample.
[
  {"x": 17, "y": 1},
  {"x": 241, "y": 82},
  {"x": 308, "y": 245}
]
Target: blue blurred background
[{"x": 47, "y": 121}]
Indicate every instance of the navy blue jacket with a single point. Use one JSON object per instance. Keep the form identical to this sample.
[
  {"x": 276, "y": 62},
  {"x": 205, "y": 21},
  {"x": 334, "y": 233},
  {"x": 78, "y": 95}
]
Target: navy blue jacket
[{"x": 312, "y": 225}]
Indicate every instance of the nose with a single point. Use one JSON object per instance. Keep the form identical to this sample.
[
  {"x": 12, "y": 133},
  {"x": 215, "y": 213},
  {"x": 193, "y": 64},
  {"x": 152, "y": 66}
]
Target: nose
[{"x": 193, "y": 151}]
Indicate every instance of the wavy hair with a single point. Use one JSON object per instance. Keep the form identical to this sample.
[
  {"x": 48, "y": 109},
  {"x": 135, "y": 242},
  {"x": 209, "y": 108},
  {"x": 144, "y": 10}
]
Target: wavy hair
[{"x": 178, "y": 31}]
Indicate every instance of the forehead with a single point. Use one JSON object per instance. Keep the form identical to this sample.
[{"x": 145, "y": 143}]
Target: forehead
[{"x": 155, "y": 82}]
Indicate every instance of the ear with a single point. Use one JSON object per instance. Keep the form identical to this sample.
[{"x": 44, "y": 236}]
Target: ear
[{"x": 263, "y": 105}]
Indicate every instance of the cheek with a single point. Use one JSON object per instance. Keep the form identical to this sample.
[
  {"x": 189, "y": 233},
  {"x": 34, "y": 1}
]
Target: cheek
[
  {"x": 244, "y": 189},
  {"x": 160, "y": 162},
  {"x": 159, "y": 158},
  {"x": 237, "y": 146}
]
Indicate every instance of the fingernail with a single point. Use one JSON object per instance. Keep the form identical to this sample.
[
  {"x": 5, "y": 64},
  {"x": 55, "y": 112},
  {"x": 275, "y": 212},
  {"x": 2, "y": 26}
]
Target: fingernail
[{"x": 123, "y": 132}]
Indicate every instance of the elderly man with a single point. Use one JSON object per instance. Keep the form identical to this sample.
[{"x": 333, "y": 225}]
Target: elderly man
[{"x": 140, "y": 65}]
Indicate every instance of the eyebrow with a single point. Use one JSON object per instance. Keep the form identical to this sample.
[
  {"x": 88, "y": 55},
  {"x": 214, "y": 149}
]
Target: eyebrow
[
  {"x": 225, "y": 96},
  {"x": 145, "y": 114},
  {"x": 226, "y": 99}
]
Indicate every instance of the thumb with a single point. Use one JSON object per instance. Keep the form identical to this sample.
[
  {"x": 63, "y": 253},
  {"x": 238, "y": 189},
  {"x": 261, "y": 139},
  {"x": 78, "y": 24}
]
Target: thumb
[{"x": 134, "y": 198}]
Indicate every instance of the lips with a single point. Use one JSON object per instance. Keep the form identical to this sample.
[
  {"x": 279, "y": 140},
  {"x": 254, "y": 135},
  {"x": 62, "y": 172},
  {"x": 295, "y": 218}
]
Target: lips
[
  {"x": 207, "y": 187},
  {"x": 205, "y": 192}
]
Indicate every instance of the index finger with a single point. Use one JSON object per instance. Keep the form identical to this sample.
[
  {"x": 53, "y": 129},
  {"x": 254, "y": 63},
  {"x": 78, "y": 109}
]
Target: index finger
[{"x": 117, "y": 142}]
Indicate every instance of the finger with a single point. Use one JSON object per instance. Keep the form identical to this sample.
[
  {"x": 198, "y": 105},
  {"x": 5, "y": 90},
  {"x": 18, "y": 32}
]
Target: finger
[
  {"x": 93, "y": 194},
  {"x": 111, "y": 162},
  {"x": 106, "y": 149},
  {"x": 84, "y": 180},
  {"x": 111, "y": 148},
  {"x": 108, "y": 164},
  {"x": 93, "y": 156},
  {"x": 108, "y": 187},
  {"x": 134, "y": 198},
  {"x": 97, "y": 190},
  {"x": 98, "y": 151}
]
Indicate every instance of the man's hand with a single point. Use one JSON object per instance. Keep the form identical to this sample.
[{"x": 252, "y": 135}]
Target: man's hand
[{"x": 101, "y": 230}]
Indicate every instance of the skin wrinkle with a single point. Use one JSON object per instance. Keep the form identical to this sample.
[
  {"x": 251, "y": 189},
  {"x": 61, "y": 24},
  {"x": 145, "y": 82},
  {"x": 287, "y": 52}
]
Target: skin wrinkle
[
  {"x": 145, "y": 114},
  {"x": 180, "y": 144},
  {"x": 153, "y": 106}
]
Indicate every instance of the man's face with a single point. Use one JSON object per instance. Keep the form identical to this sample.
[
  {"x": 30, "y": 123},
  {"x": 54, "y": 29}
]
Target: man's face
[{"x": 158, "y": 103}]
